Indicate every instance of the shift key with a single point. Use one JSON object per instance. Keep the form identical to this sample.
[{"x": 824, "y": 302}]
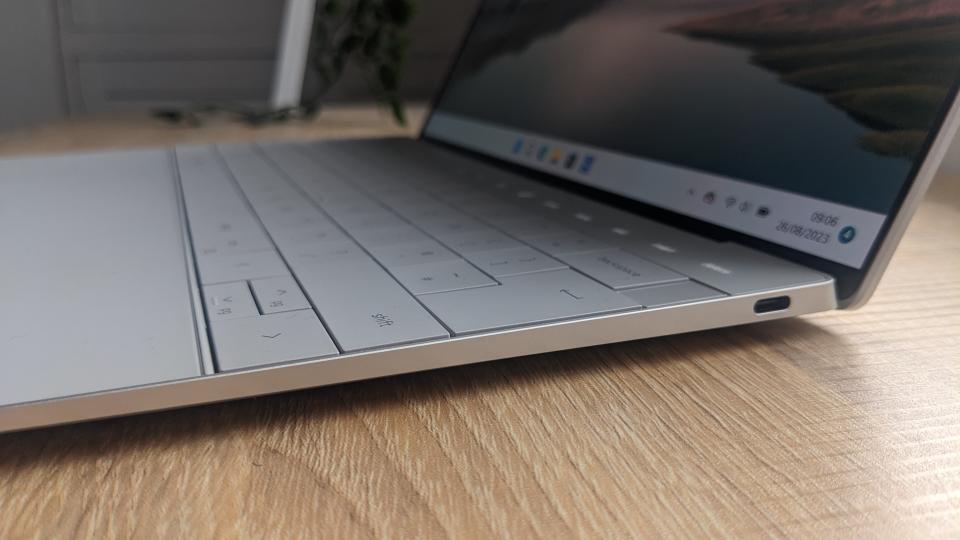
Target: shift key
[
  {"x": 618, "y": 269},
  {"x": 364, "y": 307}
]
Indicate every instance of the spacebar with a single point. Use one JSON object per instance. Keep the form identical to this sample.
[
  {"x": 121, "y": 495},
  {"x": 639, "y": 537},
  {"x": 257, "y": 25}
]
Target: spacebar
[{"x": 365, "y": 308}]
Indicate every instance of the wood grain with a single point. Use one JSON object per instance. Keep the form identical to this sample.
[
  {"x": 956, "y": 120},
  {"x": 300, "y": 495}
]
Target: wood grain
[{"x": 844, "y": 424}]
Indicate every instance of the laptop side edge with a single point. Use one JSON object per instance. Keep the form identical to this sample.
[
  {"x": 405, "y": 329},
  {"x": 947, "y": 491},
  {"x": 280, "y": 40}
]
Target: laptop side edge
[{"x": 901, "y": 219}]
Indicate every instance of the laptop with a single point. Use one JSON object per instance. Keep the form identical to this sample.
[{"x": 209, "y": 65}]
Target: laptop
[{"x": 591, "y": 172}]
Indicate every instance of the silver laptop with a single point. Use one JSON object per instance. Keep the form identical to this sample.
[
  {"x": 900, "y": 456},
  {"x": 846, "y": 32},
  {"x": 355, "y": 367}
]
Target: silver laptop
[{"x": 592, "y": 172}]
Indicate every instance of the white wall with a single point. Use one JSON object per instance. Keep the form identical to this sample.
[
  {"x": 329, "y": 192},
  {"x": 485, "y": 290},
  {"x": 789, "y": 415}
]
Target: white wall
[
  {"x": 31, "y": 84},
  {"x": 67, "y": 57}
]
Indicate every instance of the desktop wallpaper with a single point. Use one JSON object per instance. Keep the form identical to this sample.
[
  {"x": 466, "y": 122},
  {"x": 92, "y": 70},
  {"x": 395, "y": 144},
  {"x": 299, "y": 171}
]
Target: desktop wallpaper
[{"x": 828, "y": 98}]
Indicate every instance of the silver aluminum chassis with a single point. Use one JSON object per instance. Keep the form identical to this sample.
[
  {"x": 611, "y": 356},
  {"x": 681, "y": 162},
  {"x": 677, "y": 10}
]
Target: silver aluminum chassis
[{"x": 418, "y": 357}]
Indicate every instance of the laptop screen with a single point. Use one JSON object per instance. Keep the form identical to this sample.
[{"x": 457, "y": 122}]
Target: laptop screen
[{"x": 795, "y": 121}]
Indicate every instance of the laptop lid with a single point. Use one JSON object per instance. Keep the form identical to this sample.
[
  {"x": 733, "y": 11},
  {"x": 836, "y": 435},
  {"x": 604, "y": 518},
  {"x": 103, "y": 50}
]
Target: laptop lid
[{"x": 805, "y": 129}]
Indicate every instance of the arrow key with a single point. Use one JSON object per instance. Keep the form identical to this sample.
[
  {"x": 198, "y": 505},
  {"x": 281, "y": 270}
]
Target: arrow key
[
  {"x": 270, "y": 339},
  {"x": 279, "y": 294},
  {"x": 229, "y": 301}
]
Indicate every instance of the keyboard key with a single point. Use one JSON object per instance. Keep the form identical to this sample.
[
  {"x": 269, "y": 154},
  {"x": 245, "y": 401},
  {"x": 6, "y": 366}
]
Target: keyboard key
[
  {"x": 492, "y": 211},
  {"x": 512, "y": 262},
  {"x": 432, "y": 211},
  {"x": 373, "y": 220},
  {"x": 659, "y": 244},
  {"x": 332, "y": 197},
  {"x": 216, "y": 244},
  {"x": 276, "y": 295},
  {"x": 291, "y": 207},
  {"x": 405, "y": 199},
  {"x": 483, "y": 201},
  {"x": 270, "y": 339},
  {"x": 403, "y": 234},
  {"x": 672, "y": 293},
  {"x": 227, "y": 267},
  {"x": 360, "y": 209},
  {"x": 412, "y": 253},
  {"x": 479, "y": 240},
  {"x": 440, "y": 277},
  {"x": 273, "y": 194},
  {"x": 297, "y": 222},
  {"x": 565, "y": 244},
  {"x": 364, "y": 307},
  {"x": 731, "y": 268},
  {"x": 531, "y": 227},
  {"x": 618, "y": 269},
  {"x": 229, "y": 301},
  {"x": 346, "y": 250},
  {"x": 309, "y": 236},
  {"x": 525, "y": 300},
  {"x": 450, "y": 225},
  {"x": 453, "y": 192},
  {"x": 220, "y": 221}
]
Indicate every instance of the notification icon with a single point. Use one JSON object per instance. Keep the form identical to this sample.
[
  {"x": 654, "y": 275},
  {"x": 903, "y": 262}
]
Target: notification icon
[
  {"x": 556, "y": 156},
  {"x": 586, "y": 164},
  {"x": 847, "y": 234}
]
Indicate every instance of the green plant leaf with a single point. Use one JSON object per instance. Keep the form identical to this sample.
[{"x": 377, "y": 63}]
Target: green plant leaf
[
  {"x": 372, "y": 44},
  {"x": 333, "y": 7},
  {"x": 389, "y": 77},
  {"x": 350, "y": 44},
  {"x": 399, "y": 113},
  {"x": 399, "y": 12},
  {"x": 371, "y": 34}
]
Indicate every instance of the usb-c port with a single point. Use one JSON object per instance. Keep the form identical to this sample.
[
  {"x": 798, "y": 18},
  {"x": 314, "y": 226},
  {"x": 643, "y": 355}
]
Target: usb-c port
[{"x": 769, "y": 305}]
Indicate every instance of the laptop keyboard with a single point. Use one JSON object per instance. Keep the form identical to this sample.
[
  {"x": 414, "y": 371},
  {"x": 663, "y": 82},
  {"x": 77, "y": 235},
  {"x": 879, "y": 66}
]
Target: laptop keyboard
[{"x": 311, "y": 251}]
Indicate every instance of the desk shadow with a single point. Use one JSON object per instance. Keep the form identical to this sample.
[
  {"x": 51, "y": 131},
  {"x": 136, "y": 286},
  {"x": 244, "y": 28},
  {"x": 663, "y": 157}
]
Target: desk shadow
[{"x": 261, "y": 416}]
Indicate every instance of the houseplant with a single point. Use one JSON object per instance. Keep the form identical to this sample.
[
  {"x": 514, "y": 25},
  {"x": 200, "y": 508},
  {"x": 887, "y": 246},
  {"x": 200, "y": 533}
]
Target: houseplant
[{"x": 371, "y": 35}]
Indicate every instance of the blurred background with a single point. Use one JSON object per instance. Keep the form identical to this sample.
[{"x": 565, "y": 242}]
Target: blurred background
[{"x": 75, "y": 58}]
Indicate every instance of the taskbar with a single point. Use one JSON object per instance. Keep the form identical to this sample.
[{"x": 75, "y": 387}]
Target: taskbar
[{"x": 835, "y": 232}]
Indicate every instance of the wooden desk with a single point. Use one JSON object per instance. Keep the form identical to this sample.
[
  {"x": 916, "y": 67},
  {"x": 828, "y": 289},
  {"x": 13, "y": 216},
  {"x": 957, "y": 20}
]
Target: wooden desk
[{"x": 841, "y": 424}]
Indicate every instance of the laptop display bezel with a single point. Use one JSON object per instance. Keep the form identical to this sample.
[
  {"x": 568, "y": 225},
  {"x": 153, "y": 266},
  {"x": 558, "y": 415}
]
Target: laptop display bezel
[{"x": 850, "y": 281}]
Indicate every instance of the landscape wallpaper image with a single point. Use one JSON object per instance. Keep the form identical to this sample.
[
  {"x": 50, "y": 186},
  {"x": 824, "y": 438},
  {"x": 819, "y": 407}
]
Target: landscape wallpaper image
[{"x": 829, "y": 98}]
